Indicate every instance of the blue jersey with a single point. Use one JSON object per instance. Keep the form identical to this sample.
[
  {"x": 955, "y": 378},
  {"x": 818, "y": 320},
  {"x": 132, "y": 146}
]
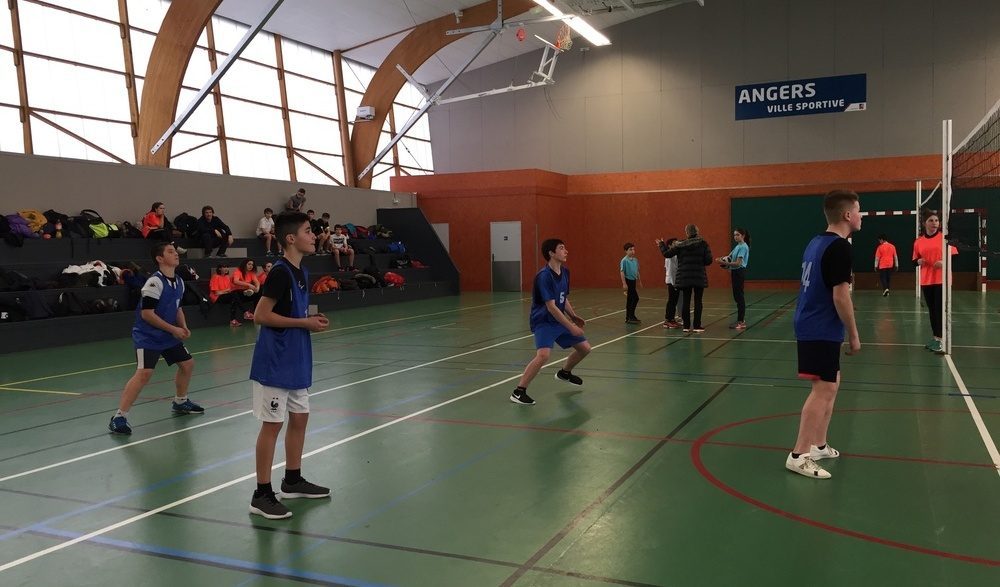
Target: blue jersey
[
  {"x": 630, "y": 267},
  {"x": 548, "y": 286},
  {"x": 168, "y": 295},
  {"x": 282, "y": 357},
  {"x": 816, "y": 316}
]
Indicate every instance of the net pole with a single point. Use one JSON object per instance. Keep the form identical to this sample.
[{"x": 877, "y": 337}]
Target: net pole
[
  {"x": 916, "y": 220},
  {"x": 945, "y": 216}
]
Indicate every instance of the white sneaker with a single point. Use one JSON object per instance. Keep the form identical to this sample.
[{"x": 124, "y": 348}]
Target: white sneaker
[
  {"x": 804, "y": 465},
  {"x": 827, "y": 453}
]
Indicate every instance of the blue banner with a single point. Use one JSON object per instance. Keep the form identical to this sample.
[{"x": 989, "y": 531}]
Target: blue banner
[{"x": 820, "y": 95}]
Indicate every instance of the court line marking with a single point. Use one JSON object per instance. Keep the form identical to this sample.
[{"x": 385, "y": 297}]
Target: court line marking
[
  {"x": 244, "y": 413},
  {"x": 6, "y": 388},
  {"x": 249, "y": 344},
  {"x": 741, "y": 339},
  {"x": 977, "y": 418},
  {"x": 322, "y": 449}
]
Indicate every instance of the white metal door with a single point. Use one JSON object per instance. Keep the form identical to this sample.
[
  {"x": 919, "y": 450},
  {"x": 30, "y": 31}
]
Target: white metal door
[{"x": 505, "y": 248}]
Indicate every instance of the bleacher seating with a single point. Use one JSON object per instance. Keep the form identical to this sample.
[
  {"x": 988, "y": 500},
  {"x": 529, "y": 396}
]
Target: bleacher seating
[{"x": 45, "y": 260}]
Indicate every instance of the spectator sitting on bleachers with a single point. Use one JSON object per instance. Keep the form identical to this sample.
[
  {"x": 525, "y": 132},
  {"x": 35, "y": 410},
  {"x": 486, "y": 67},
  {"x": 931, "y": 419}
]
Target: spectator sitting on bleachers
[
  {"x": 155, "y": 226},
  {"x": 338, "y": 246},
  {"x": 245, "y": 281},
  {"x": 321, "y": 229},
  {"x": 221, "y": 290},
  {"x": 262, "y": 276},
  {"x": 213, "y": 232},
  {"x": 297, "y": 201},
  {"x": 265, "y": 232}
]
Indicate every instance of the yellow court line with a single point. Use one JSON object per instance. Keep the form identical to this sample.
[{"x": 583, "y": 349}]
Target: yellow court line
[{"x": 5, "y": 388}]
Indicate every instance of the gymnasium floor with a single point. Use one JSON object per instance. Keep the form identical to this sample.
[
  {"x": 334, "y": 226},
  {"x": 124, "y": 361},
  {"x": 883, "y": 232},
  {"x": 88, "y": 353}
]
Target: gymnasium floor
[{"x": 665, "y": 469}]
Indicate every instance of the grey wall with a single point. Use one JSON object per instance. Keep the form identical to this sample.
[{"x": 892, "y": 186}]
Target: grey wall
[
  {"x": 662, "y": 96},
  {"x": 125, "y": 192}
]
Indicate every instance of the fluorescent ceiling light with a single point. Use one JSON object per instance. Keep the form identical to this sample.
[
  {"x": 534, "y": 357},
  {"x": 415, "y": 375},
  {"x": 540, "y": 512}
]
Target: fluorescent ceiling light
[{"x": 576, "y": 23}]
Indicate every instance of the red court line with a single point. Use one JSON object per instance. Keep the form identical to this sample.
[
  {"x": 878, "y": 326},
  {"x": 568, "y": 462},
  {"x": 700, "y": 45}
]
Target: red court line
[
  {"x": 703, "y": 470},
  {"x": 657, "y": 438}
]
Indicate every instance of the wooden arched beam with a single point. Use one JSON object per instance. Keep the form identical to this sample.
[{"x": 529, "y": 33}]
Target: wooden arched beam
[
  {"x": 417, "y": 47},
  {"x": 175, "y": 43}
]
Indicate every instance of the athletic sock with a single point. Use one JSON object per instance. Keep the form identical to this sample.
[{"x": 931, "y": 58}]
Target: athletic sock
[
  {"x": 263, "y": 489},
  {"x": 293, "y": 475},
  {"x": 521, "y": 389},
  {"x": 179, "y": 400},
  {"x": 121, "y": 413}
]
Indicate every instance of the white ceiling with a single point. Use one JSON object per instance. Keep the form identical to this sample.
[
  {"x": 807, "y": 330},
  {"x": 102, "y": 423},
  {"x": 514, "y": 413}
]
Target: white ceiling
[{"x": 343, "y": 24}]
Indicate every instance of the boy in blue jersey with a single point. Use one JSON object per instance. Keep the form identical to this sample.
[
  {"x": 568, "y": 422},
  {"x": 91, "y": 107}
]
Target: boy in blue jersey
[
  {"x": 553, "y": 321},
  {"x": 824, "y": 311},
  {"x": 281, "y": 371},
  {"x": 159, "y": 330},
  {"x": 628, "y": 268}
]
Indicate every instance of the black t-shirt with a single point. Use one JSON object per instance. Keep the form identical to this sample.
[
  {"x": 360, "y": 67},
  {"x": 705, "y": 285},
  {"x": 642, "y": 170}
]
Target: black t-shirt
[
  {"x": 279, "y": 287},
  {"x": 837, "y": 262},
  {"x": 319, "y": 225}
]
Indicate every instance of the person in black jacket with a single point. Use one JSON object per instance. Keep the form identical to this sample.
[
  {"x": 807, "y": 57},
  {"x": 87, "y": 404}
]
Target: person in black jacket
[
  {"x": 693, "y": 255},
  {"x": 213, "y": 232}
]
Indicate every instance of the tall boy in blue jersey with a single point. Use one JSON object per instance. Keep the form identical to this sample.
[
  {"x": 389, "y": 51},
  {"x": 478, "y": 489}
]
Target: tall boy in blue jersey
[
  {"x": 281, "y": 371},
  {"x": 159, "y": 330},
  {"x": 824, "y": 311},
  {"x": 553, "y": 321}
]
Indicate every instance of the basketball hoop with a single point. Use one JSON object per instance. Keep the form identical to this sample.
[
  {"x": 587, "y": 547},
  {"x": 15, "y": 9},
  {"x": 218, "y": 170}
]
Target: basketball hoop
[{"x": 564, "y": 38}]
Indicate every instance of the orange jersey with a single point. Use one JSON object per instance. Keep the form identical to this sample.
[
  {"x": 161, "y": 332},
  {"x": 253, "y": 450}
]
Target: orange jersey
[
  {"x": 929, "y": 249},
  {"x": 885, "y": 256},
  {"x": 218, "y": 285}
]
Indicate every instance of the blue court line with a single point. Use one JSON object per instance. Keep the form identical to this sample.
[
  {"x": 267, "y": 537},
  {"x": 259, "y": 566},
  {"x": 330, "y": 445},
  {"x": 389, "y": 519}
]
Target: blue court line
[
  {"x": 514, "y": 437},
  {"x": 278, "y": 570},
  {"x": 229, "y": 460}
]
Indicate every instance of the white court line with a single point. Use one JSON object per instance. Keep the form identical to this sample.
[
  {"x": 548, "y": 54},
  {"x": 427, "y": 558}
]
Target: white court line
[
  {"x": 492, "y": 370},
  {"x": 741, "y": 339},
  {"x": 171, "y": 505},
  {"x": 249, "y": 344},
  {"x": 991, "y": 446},
  {"x": 230, "y": 417}
]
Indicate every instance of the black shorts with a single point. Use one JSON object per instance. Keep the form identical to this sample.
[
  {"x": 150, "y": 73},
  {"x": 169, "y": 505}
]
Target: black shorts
[
  {"x": 147, "y": 358},
  {"x": 819, "y": 360}
]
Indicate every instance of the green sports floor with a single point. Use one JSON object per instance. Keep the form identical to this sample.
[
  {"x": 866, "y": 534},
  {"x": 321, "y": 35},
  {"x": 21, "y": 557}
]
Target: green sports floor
[{"x": 666, "y": 468}]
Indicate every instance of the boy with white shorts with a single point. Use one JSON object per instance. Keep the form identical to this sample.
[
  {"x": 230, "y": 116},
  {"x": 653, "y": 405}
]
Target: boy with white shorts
[{"x": 281, "y": 372}]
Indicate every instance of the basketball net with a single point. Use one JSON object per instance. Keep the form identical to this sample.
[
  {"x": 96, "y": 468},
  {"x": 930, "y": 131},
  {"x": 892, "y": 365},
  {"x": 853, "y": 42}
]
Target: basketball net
[{"x": 564, "y": 40}]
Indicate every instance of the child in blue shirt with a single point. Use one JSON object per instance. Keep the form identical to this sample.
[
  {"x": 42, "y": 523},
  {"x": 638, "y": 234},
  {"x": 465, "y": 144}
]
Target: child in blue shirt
[
  {"x": 737, "y": 263},
  {"x": 552, "y": 321},
  {"x": 628, "y": 268}
]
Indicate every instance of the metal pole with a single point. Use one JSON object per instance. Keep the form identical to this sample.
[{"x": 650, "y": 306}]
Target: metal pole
[
  {"x": 916, "y": 275},
  {"x": 945, "y": 257},
  {"x": 214, "y": 79},
  {"x": 427, "y": 104}
]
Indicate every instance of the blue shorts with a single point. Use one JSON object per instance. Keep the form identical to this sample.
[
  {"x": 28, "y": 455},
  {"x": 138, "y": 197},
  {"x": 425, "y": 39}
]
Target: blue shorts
[{"x": 547, "y": 334}]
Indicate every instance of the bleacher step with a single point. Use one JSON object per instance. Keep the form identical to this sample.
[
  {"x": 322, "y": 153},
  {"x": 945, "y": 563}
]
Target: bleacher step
[{"x": 231, "y": 253}]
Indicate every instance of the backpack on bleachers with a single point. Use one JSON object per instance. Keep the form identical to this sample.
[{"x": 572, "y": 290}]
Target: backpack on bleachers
[
  {"x": 394, "y": 279},
  {"x": 351, "y": 230},
  {"x": 35, "y": 308},
  {"x": 402, "y": 261},
  {"x": 98, "y": 227},
  {"x": 348, "y": 284},
  {"x": 70, "y": 304},
  {"x": 35, "y": 219},
  {"x": 52, "y": 216},
  {"x": 19, "y": 226},
  {"x": 381, "y": 231},
  {"x": 397, "y": 247},
  {"x": 365, "y": 281},
  {"x": 361, "y": 231},
  {"x": 129, "y": 230},
  {"x": 374, "y": 272},
  {"x": 187, "y": 224}
]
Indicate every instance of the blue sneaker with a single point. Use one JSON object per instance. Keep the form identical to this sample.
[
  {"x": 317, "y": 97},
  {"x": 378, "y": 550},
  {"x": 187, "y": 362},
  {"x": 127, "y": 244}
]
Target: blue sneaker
[
  {"x": 119, "y": 425},
  {"x": 187, "y": 407}
]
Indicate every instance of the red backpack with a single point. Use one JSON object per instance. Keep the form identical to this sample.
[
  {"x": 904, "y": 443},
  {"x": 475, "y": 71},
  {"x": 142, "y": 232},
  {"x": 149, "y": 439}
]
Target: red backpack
[{"x": 394, "y": 279}]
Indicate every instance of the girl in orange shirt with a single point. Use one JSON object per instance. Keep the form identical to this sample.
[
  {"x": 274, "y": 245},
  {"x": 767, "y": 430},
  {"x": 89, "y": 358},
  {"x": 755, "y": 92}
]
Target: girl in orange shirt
[
  {"x": 927, "y": 255},
  {"x": 886, "y": 262},
  {"x": 245, "y": 282}
]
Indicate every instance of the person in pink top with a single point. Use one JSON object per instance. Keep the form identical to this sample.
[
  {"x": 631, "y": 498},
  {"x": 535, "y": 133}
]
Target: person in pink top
[
  {"x": 886, "y": 262},
  {"x": 927, "y": 254}
]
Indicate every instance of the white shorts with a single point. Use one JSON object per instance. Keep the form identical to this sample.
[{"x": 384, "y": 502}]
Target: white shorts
[{"x": 271, "y": 403}]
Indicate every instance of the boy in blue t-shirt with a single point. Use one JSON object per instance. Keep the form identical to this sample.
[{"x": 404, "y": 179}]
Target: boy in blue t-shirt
[
  {"x": 552, "y": 321},
  {"x": 823, "y": 312},
  {"x": 281, "y": 371},
  {"x": 159, "y": 330},
  {"x": 628, "y": 268}
]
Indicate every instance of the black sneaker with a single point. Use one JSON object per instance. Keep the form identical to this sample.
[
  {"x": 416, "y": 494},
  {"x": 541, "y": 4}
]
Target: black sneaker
[
  {"x": 303, "y": 488},
  {"x": 563, "y": 375},
  {"x": 267, "y": 505},
  {"x": 520, "y": 396},
  {"x": 119, "y": 425}
]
